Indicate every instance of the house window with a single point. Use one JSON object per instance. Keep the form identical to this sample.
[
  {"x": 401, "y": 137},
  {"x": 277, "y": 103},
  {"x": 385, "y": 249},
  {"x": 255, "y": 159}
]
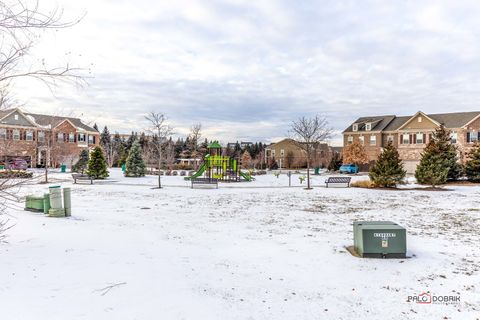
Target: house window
[
  {"x": 350, "y": 139},
  {"x": 406, "y": 138},
  {"x": 16, "y": 134},
  {"x": 355, "y": 127},
  {"x": 454, "y": 137},
  {"x": 273, "y": 153},
  {"x": 81, "y": 137},
  {"x": 71, "y": 137},
  {"x": 90, "y": 139},
  {"x": 362, "y": 140},
  {"x": 473, "y": 137},
  {"x": 368, "y": 127},
  {"x": 3, "y": 134},
  {"x": 59, "y": 137},
  {"x": 282, "y": 152},
  {"x": 390, "y": 139},
  {"x": 419, "y": 119},
  {"x": 41, "y": 136},
  {"x": 29, "y": 136},
  {"x": 373, "y": 140},
  {"x": 419, "y": 138},
  {"x": 15, "y": 117}
]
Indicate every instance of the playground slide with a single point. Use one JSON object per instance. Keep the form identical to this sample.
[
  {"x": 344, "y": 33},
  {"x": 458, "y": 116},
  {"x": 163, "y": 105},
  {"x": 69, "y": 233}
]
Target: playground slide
[
  {"x": 197, "y": 174},
  {"x": 246, "y": 176}
]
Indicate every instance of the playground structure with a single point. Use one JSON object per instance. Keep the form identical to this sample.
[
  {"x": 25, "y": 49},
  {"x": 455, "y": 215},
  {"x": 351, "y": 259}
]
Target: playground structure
[{"x": 223, "y": 168}]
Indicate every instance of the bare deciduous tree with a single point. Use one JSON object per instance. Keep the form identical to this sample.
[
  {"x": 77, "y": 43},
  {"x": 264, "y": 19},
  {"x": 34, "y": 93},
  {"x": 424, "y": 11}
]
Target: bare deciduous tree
[
  {"x": 195, "y": 135},
  {"x": 20, "y": 23},
  {"x": 309, "y": 132},
  {"x": 160, "y": 128}
]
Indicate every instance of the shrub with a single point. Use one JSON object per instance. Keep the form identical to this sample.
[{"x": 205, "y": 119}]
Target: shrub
[
  {"x": 362, "y": 184},
  {"x": 19, "y": 174}
]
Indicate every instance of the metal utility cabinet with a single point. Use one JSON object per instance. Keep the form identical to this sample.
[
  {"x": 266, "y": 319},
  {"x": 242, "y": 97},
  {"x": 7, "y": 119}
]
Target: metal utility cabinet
[{"x": 379, "y": 239}]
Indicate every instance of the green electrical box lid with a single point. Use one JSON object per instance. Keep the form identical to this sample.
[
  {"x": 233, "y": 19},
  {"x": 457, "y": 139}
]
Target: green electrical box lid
[{"x": 52, "y": 187}]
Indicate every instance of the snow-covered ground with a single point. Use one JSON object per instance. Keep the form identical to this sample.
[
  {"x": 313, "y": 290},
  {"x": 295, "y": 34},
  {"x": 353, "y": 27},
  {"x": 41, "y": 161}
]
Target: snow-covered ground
[{"x": 255, "y": 250}]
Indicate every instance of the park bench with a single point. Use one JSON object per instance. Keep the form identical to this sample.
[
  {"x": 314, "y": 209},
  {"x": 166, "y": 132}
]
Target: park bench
[
  {"x": 338, "y": 180},
  {"x": 206, "y": 181},
  {"x": 81, "y": 177}
]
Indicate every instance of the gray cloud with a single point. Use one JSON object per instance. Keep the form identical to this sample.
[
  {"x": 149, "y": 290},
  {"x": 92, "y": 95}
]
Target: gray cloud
[{"x": 246, "y": 69}]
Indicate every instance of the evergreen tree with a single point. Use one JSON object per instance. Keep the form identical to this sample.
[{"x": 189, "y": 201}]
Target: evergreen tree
[
  {"x": 448, "y": 151},
  {"x": 472, "y": 167},
  {"x": 388, "y": 169},
  {"x": 439, "y": 161},
  {"x": 118, "y": 146},
  {"x": 95, "y": 126},
  {"x": 97, "y": 166},
  {"x": 135, "y": 166},
  {"x": 335, "y": 162},
  {"x": 82, "y": 162},
  {"x": 106, "y": 143}
]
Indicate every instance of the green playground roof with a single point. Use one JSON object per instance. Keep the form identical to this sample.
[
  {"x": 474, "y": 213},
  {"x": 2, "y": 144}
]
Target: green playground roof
[{"x": 214, "y": 145}]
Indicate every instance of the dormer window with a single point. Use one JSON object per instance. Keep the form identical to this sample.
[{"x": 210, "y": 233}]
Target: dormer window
[
  {"x": 16, "y": 117},
  {"x": 419, "y": 119},
  {"x": 355, "y": 127},
  {"x": 368, "y": 126}
]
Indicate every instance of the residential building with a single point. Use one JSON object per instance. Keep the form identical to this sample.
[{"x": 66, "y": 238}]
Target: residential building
[
  {"x": 411, "y": 134},
  {"x": 288, "y": 154},
  {"x": 43, "y": 139}
]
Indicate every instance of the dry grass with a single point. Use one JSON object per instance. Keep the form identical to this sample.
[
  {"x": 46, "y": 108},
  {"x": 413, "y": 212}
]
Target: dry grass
[{"x": 362, "y": 184}]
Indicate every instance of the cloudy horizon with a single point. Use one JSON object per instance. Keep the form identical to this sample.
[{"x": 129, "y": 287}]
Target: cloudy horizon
[{"x": 245, "y": 70}]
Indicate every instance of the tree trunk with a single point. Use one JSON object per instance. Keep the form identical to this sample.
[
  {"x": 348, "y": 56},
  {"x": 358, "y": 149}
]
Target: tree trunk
[
  {"x": 159, "y": 167},
  {"x": 308, "y": 169}
]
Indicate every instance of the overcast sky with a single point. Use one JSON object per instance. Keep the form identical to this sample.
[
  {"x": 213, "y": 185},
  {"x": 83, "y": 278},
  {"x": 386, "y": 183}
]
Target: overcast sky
[{"x": 245, "y": 69}]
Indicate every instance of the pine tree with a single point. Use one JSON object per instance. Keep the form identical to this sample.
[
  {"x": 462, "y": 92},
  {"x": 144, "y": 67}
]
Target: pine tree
[
  {"x": 472, "y": 167},
  {"x": 135, "y": 165},
  {"x": 439, "y": 161},
  {"x": 97, "y": 166},
  {"x": 388, "y": 169},
  {"x": 448, "y": 151},
  {"x": 82, "y": 162},
  {"x": 95, "y": 126},
  {"x": 106, "y": 143}
]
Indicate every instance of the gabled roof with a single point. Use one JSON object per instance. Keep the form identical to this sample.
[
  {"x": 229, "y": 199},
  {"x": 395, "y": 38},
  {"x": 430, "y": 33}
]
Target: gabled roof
[
  {"x": 420, "y": 113},
  {"x": 378, "y": 123},
  {"x": 7, "y": 112},
  {"x": 393, "y": 123},
  {"x": 455, "y": 120},
  {"x": 53, "y": 121}
]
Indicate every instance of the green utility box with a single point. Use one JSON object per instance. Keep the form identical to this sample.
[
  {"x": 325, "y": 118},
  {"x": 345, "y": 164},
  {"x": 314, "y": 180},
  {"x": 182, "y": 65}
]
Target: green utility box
[
  {"x": 379, "y": 239},
  {"x": 63, "y": 168},
  {"x": 33, "y": 203}
]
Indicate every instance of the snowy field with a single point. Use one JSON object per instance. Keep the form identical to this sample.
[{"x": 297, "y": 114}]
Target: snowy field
[{"x": 255, "y": 250}]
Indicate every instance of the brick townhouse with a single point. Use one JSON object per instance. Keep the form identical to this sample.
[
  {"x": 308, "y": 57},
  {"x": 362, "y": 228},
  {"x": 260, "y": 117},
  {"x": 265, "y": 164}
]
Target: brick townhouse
[
  {"x": 410, "y": 134},
  {"x": 43, "y": 139},
  {"x": 288, "y": 154}
]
